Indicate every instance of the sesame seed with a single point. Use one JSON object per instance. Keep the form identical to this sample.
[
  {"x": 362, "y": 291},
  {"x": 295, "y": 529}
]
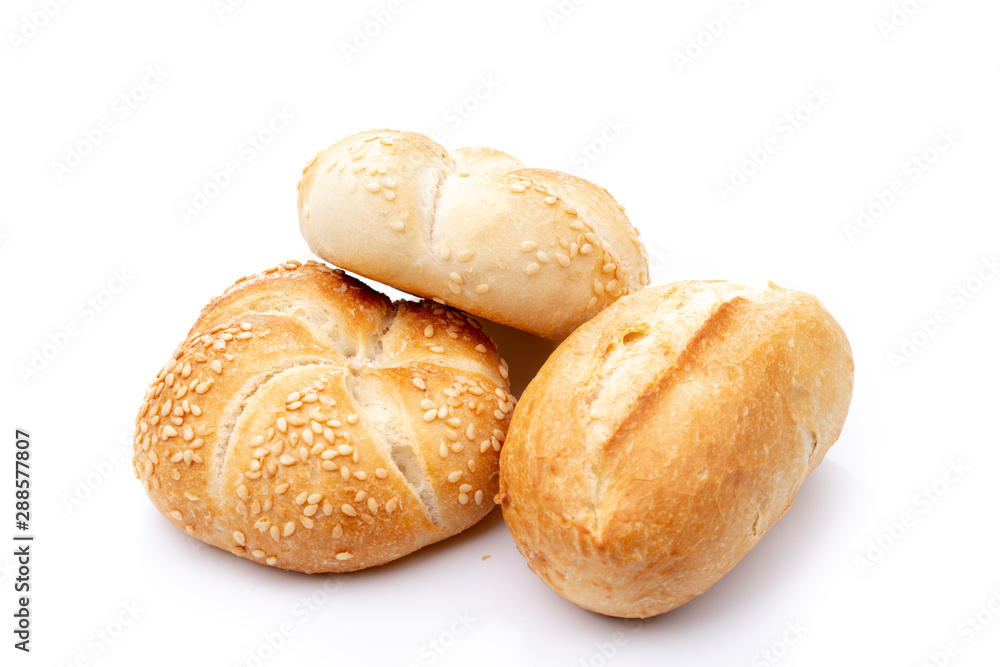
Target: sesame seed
[
  {"x": 498, "y": 414},
  {"x": 361, "y": 474},
  {"x": 328, "y": 465},
  {"x": 168, "y": 432},
  {"x": 373, "y": 187},
  {"x": 310, "y": 510},
  {"x": 592, "y": 302},
  {"x": 345, "y": 473},
  {"x": 465, "y": 255},
  {"x": 528, "y": 246},
  {"x": 352, "y": 418},
  {"x": 328, "y": 454},
  {"x": 454, "y": 422},
  {"x": 479, "y": 497},
  {"x": 456, "y": 277},
  {"x": 442, "y": 412},
  {"x": 287, "y": 460},
  {"x": 258, "y": 553},
  {"x": 191, "y": 496},
  {"x": 444, "y": 252},
  {"x": 360, "y": 496},
  {"x": 429, "y": 331},
  {"x": 348, "y": 510},
  {"x": 550, "y": 200},
  {"x": 292, "y": 397},
  {"x": 203, "y": 387},
  {"x": 306, "y": 522},
  {"x": 395, "y": 225},
  {"x": 338, "y": 530},
  {"x": 598, "y": 288},
  {"x": 240, "y": 538},
  {"x": 437, "y": 349},
  {"x": 301, "y": 498},
  {"x": 314, "y": 498},
  {"x": 532, "y": 269},
  {"x": 294, "y": 406},
  {"x": 372, "y": 505},
  {"x": 542, "y": 257},
  {"x": 271, "y": 560},
  {"x": 516, "y": 187},
  {"x": 419, "y": 384},
  {"x": 443, "y": 450},
  {"x": 454, "y": 476},
  {"x": 471, "y": 464},
  {"x": 465, "y": 488},
  {"x": 463, "y": 498},
  {"x": 310, "y": 398},
  {"x": 307, "y": 436},
  {"x": 345, "y": 450},
  {"x": 176, "y": 515},
  {"x": 244, "y": 336},
  {"x": 344, "y": 555},
  {"x": 609, "y": 268},
  {"x": 585, "y": 249},
  {"x": 458, "y": 447},
  {"x": 611, "y": 286},
  {"x": 281, "y": 488},
  {"x": 246, "y": 326},
  {"x": 391, "y": 505}
]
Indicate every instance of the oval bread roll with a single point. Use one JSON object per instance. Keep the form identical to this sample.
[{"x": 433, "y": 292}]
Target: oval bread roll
[
  {"x": 309, "y": 423},
  {"x": 665, "y": 436},
  {"x": 537, "y": 250}
]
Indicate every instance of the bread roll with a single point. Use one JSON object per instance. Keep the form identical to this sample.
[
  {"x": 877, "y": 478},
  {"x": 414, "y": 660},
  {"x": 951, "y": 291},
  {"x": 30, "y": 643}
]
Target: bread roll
[
  {"x": 664, "y": 437},
  {"x": 537, "y": 250},
  {"x": 309, "y": 423}
]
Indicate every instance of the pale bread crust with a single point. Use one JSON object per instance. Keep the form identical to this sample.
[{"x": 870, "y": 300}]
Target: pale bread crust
[
  {"x": 665, "y": 436},
  {"x": 350, "y": 473},
  {"x": 537, "y": 250}
]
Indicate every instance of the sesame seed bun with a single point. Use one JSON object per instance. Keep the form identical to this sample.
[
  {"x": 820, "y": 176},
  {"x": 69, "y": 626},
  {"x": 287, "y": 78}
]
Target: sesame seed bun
[
  {"x": 665, "y": 436},
  {"x": 533, "y": 249},
  {"x": 309, "y": 423}
]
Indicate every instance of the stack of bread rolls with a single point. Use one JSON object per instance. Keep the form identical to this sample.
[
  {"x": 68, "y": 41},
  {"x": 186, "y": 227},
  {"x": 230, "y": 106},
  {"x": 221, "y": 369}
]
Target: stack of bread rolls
[{"x": 309, "y": 423}]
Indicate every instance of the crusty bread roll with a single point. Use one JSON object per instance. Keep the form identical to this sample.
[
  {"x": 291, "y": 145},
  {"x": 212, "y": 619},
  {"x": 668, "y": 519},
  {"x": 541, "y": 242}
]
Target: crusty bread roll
[
  {"x": 309, "y": 423},
  {"x": 537, "y": 250},
  {"x": 665, "y": 436}
]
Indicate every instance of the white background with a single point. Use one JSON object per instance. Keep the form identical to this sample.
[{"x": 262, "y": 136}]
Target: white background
[{"x": 662, "y": 134}]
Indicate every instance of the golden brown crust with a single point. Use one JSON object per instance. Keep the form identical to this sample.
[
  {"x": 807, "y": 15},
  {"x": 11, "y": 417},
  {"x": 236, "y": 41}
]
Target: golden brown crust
[
  {"x": 665, "y": 436},
  {"x": 293, "y": 427},
  {"x": 537, "y": 250}
]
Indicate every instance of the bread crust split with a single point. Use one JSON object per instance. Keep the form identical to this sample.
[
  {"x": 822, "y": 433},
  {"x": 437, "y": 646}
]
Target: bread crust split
[
  {"x": 664, "y": 437},
  {"x": 534, "y": 249},
  {"x": 309, "y": 423}
]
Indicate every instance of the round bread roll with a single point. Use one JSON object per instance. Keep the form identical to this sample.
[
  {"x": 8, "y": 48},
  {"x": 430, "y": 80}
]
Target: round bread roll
[
  {"x": 537, "y": 250},
  {"x": 664, "y": 437},
  {"x": 309, "y": 423}
]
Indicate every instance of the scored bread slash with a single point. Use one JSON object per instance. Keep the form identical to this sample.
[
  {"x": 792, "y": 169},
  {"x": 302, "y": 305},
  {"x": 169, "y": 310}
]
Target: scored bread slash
[
  {"x": 534, "y": 249},
  {"x": 289, "y": 427}
]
